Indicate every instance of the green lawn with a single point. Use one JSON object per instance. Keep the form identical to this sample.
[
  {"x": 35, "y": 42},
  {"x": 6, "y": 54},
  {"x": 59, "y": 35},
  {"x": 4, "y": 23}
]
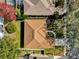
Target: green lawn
[
  {"x": 49, "y": 51},
  {"x": 18, "y": 32},
  {"x": 55, "y": 50}
]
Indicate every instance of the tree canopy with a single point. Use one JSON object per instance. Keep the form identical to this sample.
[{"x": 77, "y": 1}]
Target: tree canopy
[
  {"x": 8, "y": 48},
  {"x": 7, "y": 11}
]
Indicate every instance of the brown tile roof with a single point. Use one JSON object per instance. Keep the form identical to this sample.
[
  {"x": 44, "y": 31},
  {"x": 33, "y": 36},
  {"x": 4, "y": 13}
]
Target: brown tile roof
[{"x": 35, "y": 34}]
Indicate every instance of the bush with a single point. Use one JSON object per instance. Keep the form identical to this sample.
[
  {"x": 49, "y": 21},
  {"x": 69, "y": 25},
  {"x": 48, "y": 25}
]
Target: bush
[
  {"x": 59, "y": 3},
  {"x": 77, "y": 14},
  {"x": 8, "y": 48},
  {"x": 11, "y": 28}
]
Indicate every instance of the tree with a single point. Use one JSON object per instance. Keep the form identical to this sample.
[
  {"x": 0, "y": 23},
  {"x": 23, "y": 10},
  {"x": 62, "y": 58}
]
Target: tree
[
  {"x": 7, "y": 11},
  {"x": 73, "y": 29},
  {"x": 56, "y": 25},
  {"x": 8, "y": 48}
]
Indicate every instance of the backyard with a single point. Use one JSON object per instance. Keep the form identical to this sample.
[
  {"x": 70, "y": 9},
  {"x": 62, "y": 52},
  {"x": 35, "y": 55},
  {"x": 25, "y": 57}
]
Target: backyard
[
  {"x": 58, "y": 50},
  {"x": 18, "y": 32}
]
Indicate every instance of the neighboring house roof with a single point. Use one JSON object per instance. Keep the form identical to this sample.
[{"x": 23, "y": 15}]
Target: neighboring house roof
[
  {"x": 57, "y": 57},
  {"x": 38, "y": 7},
  {"x": 38, "y": 56},
  {"x": 74, "y": 53},
  {"x": 31, "y": 56},
  {"x": 3, "y": 1},
  {"x": 34, "y": 2},
  {"x": 35, "y": 34}
]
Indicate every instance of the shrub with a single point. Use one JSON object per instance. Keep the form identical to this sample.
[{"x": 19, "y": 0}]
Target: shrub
[
  {"x": 8, "y": 48},
  {"x": 77, "y": 14},
  {"x": 11, "y": 28},
  {"x": 59, "y": 3}
]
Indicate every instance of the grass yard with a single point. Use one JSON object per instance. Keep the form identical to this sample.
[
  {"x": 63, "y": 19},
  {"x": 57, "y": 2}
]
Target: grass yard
[
  {"x": 18, "y": 32},
  {"x": 49, "y": 51},
  {"x": 55, "y": 51}
]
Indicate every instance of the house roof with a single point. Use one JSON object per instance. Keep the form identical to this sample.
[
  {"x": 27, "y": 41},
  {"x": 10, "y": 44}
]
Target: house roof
[
  {"x": 35, "y": 23},
  {"x": 35, "y": 34},
  {"x": 37, "y": 7}
]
